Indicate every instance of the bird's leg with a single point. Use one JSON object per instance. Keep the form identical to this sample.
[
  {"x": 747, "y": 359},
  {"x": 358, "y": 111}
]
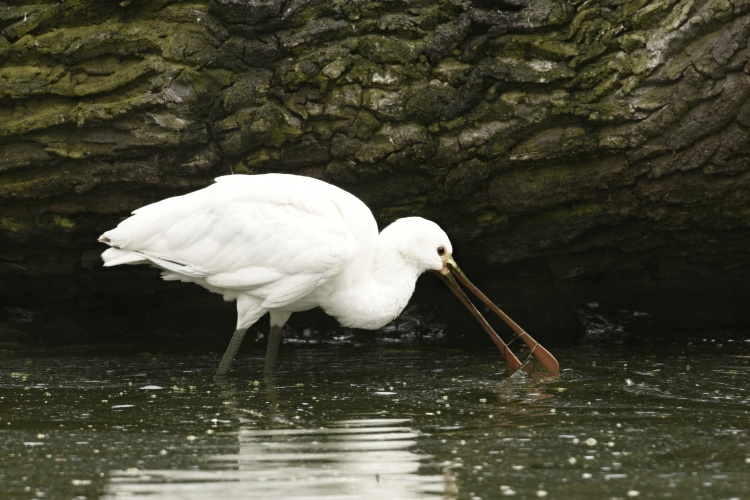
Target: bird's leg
[
  {"x": 272, "y": 351},
  {"x": 231, "y": 352}
]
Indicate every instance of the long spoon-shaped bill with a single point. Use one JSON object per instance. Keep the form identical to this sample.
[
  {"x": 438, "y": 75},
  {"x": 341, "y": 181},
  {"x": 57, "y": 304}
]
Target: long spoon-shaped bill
[
  {"x": 514, "y": 364},
  {"x": 546, "y": 358}
]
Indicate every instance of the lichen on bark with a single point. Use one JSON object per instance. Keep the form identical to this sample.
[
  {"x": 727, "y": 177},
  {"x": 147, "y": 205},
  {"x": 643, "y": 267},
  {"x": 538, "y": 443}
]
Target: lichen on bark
[{"x": 564, "y": 140}]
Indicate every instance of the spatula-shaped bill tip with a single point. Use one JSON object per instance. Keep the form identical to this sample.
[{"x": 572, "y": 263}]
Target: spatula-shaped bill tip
[{"x": 451, "y": 275}]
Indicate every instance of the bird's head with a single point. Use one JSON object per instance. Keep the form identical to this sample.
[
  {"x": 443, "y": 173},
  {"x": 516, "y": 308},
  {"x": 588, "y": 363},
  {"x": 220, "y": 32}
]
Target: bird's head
[
  {"x": 420, "y": 243},
  {"x": 426, "y": 247}
]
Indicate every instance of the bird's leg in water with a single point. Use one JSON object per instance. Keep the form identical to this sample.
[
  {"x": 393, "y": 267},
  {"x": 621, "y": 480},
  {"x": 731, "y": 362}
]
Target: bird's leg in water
[
  {"x": 231, "y": 352},
  {"x": 272, "y": 351}
]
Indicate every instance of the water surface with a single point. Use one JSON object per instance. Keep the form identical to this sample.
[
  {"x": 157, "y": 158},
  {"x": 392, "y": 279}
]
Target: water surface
[{"x": 379, "y": 422}]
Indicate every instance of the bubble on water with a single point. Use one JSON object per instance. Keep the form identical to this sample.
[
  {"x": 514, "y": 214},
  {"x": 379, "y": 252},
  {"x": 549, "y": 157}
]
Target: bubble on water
[
  {"x": 507, "y": 490},
  {"x": 541, "y": 493},
  {"x": 633, "y": 493},
  {"x": 615, "y": 476},
  {"x": 591, "y": 441}
]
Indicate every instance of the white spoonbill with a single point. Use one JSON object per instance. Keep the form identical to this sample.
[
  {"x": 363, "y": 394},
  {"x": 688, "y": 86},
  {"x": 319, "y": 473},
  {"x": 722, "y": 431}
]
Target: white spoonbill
[{"x": 279, "y": 244}]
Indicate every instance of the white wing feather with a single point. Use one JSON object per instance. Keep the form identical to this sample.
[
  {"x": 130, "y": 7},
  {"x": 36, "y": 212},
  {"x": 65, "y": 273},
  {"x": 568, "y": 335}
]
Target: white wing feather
[{"x": 276, "y": 237}]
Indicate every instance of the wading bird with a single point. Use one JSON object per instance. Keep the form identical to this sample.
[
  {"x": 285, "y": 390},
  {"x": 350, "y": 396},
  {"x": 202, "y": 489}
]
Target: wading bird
[{"x": 279, "y": 244}]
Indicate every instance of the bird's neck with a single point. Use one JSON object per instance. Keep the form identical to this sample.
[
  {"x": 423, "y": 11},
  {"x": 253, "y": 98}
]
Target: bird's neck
[{"x": 379, "y": 291}]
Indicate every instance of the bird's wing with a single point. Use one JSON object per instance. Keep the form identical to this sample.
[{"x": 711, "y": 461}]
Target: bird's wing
[{"x": 276, "y": 237}]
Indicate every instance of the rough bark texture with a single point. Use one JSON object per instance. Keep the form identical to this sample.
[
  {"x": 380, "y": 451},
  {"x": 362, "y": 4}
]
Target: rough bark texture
[{"x": 580, "y": 151}]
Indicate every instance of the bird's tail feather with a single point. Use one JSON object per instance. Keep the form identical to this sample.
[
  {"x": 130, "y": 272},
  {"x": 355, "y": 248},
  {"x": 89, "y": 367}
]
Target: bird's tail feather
[{"x": 115, "y": 257}]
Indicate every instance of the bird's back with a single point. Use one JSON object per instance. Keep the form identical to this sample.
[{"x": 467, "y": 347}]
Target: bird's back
[{"x": 274, "y": 236}]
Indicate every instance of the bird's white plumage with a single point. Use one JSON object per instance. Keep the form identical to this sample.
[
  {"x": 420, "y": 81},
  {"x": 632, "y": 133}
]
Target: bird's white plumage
[
  {"x": 279, "y": 244},
  {"x": 282, "y": 243}
]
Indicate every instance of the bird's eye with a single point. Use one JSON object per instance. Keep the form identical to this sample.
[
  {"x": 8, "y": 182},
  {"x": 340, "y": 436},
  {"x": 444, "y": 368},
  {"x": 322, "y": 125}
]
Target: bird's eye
[{"x": 441, "y": 250}]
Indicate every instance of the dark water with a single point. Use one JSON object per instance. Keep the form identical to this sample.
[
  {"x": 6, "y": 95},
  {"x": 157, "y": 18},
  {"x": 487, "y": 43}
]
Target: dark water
[{"x": 379, "y": 422}]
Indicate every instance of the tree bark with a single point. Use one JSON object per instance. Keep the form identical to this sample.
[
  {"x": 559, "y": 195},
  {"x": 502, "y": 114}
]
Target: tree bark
[{"x": 576, "y": 152}]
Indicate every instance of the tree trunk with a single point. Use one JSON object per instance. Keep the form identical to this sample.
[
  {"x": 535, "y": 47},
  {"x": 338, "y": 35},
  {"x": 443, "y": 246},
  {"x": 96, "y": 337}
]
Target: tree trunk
[{"x": 577, "y": 152}]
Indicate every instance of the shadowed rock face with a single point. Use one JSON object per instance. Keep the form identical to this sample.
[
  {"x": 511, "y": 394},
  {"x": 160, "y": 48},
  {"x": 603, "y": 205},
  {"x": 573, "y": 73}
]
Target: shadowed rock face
[{"x": 576, "y": 152}]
